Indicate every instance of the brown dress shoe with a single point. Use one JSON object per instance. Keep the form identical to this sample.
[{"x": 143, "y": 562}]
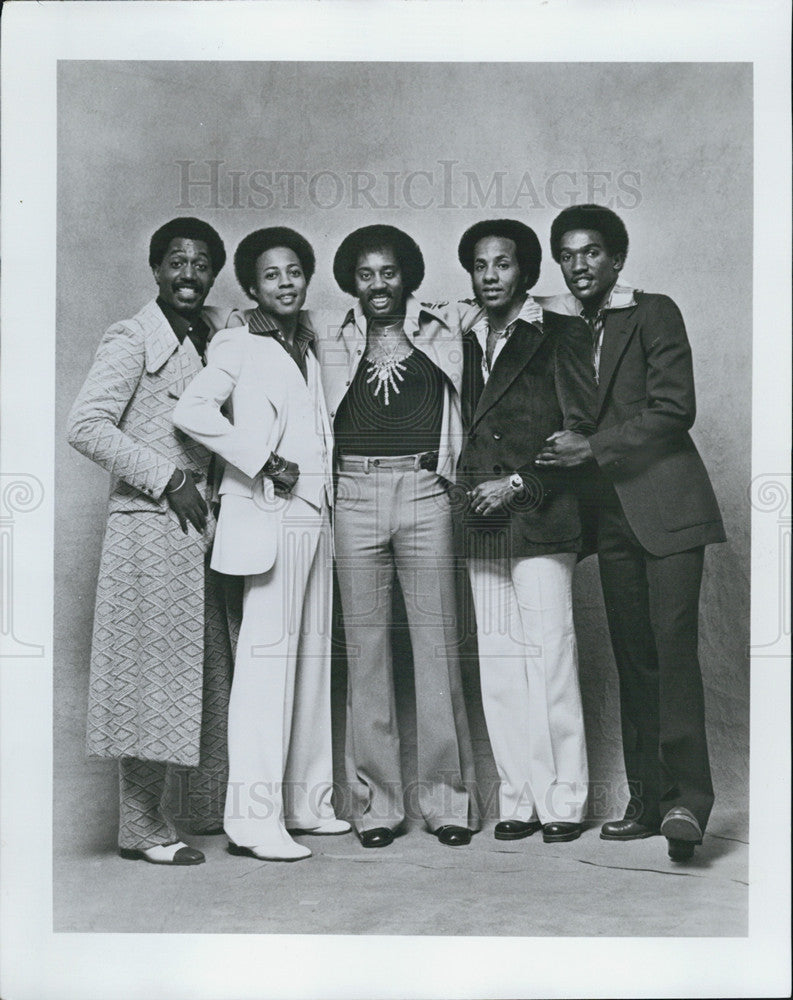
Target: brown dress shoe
[
  {"x": 627, "y": 829},
  {"x": 681, "y": 824},
  {"x": 680, "y": 850}
]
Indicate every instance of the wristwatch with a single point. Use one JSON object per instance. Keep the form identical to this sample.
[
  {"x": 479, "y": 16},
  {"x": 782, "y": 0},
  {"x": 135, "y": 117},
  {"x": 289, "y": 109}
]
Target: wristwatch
[
  {"x": 274, "y": 465},
  {"x": 516, "y": 482}
]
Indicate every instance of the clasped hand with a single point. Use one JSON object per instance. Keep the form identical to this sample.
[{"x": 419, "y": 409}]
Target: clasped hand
[{"x": 564, "y": 450}]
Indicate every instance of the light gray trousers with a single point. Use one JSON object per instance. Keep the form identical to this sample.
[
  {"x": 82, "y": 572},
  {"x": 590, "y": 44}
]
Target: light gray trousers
[{"x": 397, "y": 518}]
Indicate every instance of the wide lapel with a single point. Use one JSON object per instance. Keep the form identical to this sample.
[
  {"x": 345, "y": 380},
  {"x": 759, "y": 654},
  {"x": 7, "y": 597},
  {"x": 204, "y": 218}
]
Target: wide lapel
[
  {"x": 160, "y": 340},
  {"x": 515, "y": 355},
  {"x": 618, "y": 329},
  {"x": 428, "y": 329}
]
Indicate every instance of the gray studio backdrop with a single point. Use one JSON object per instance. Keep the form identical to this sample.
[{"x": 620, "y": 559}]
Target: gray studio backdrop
[{"x": 432, "y": 148}]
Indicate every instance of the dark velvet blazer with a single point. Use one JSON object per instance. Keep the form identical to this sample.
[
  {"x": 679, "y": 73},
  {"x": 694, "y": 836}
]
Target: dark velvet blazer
[{"x": 542, "y": 381}]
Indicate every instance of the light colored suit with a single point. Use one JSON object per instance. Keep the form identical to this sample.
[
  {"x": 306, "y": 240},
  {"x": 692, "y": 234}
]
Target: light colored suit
[
  {"x": 280, "y": 758},
  {"x": 274, "y": 410},
  {"x": 149, "y": 649}
]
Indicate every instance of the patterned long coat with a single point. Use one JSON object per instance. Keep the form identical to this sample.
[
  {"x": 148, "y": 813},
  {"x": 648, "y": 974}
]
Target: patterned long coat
[{"x": 147, "y": 657}]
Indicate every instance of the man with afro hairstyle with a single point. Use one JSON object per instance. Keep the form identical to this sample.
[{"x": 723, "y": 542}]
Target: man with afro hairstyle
[
  {"x": 161, "y": 653},
  {"x": 656, "y": 513},
  {"x": 273, "y": 530},
  {"x": 523, "y": 533},
  {"x": 392, "y": 371}
]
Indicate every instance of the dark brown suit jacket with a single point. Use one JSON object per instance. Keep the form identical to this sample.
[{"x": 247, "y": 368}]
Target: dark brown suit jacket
[{"x": 645, "y": 407}]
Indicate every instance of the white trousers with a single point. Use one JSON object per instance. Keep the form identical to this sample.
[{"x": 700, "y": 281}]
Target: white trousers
[
  {"x": 280, "y": 756},
  {"x": 528, "y": 662}
]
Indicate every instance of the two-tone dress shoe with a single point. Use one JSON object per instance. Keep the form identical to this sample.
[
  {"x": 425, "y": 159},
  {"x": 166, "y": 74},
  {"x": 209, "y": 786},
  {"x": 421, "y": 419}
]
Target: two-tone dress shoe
[
  {"x": 380, "y": 836},
  {"x": 270, "y": 852},
  {"x": 516, "y": 829},
  {"x": 560, "y": 833},
  {"x": 627, "y": 829},
  {"x": 454, "y": 836},
  {"x": 683, "y": 833},
  {"x": 176, "y": 853}
]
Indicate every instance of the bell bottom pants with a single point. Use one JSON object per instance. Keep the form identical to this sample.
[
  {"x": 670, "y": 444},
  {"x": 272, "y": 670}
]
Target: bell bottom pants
[
  {"x": 155, "y": 797},
  {"x": 528, "y": 667},
  {"x": 280, "y": 756},
  {"x": 399, "y": 520}
]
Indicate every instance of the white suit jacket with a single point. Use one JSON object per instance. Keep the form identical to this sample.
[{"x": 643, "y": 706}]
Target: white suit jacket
[{"x": 273, "y": 410}]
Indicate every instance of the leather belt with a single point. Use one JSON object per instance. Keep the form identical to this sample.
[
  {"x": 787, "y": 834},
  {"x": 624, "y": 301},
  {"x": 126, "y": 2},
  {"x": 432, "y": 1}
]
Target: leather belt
[{"x": 365, "y": 463}]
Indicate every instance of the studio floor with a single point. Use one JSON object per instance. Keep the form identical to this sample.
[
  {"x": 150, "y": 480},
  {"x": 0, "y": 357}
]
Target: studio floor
[
  {"x": 525, "y": 888},
  {"x": 589, "y": 887}
]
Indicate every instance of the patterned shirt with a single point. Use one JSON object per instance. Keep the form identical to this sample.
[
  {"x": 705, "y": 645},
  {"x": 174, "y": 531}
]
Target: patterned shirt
[
  {"x": 531, "y": 312},
  {"x": 619, "y": 297},
  {"x": 262, "y": 323}
]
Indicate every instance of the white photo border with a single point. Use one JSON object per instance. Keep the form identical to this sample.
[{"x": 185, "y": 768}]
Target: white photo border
[{"x": 39, "y": 963}]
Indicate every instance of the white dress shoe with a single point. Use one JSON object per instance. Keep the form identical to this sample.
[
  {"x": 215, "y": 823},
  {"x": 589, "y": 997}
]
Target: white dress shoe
[
  {"x": 278, "y": 847},
  {"x": 328, "y": 828},
  {"x": 264, "y": 853}
]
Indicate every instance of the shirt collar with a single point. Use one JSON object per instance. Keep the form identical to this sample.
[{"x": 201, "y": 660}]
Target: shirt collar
[
  {"x": 620, "y": 297},
  {"x": 531, "y": 312},
  {"x": 413, "y": 311},
  {"x": 181, "y": 325},
  {"x": 262, "y": 323}
]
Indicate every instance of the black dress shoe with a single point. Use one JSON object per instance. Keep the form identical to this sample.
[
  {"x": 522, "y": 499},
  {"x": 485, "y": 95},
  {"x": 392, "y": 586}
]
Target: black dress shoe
[
  {"x": 380, "y": 836},
  {"x": 516, "y": 829},
  {"x": 453, "y": 836},
  {"x": 681, "y": 850},
  {"x": 560, "y": 833},
  {"x": 627, "y": 829}
]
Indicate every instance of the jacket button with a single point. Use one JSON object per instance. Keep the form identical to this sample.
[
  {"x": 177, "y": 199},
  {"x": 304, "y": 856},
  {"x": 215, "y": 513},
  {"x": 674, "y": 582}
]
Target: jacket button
[
  {"x": 496, "y": 435},
  {"x": 497, "y": 469},
  {"x": 348, "y": 382},
  {"x": 472, "y": 436},
  {"x": 333, "y": 413}
]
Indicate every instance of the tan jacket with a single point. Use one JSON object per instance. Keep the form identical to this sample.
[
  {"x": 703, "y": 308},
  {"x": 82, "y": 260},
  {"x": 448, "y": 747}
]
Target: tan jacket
[
  {"x": 433, "y": 329},
  {"x": 121, "y": 418}
]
